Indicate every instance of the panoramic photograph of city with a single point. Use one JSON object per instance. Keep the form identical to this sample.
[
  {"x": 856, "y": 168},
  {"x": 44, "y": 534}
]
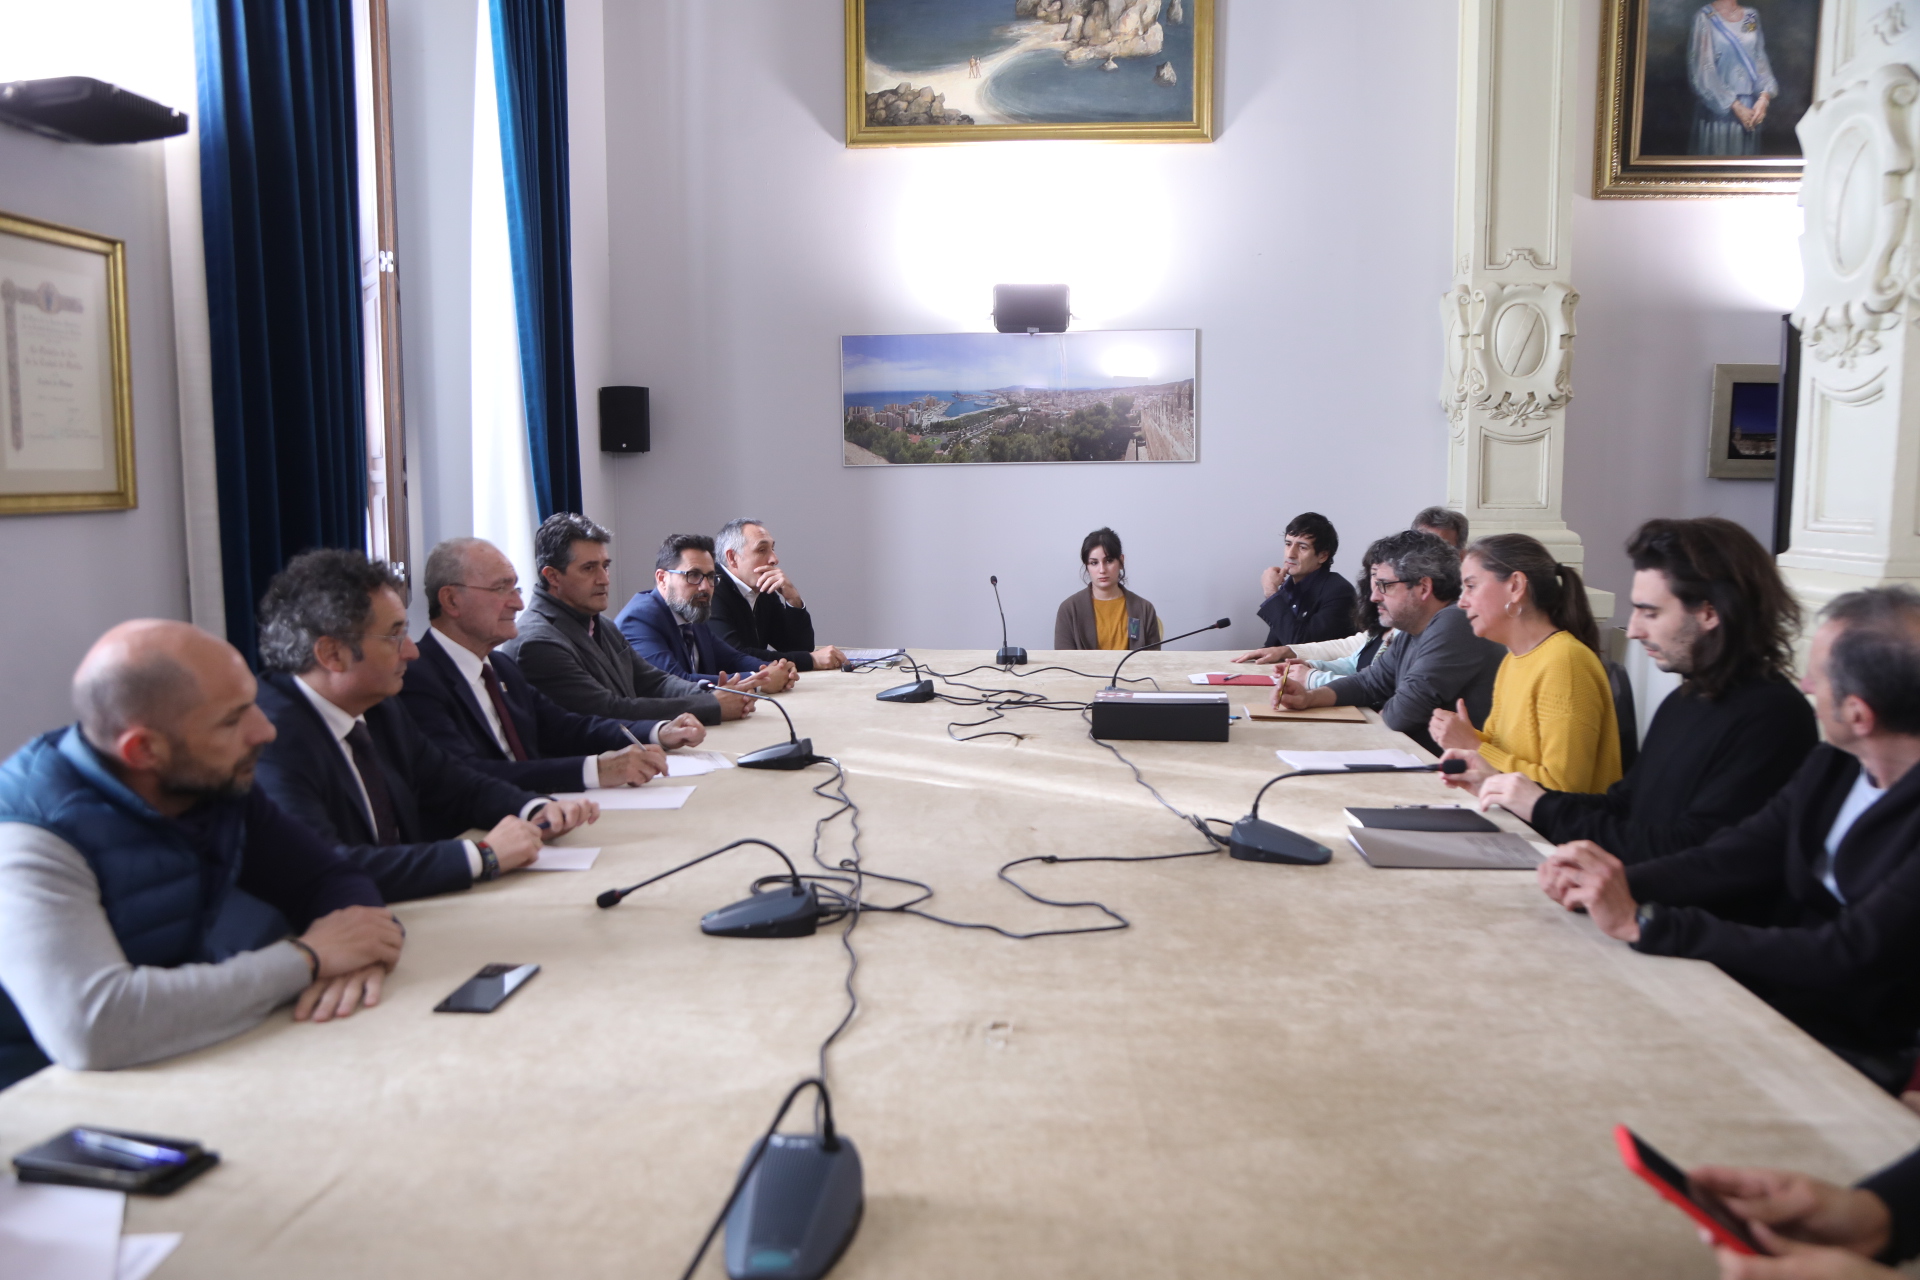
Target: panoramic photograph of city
[{"x": 1113, "y": 396}]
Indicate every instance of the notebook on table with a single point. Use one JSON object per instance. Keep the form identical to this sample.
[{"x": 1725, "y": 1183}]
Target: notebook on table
[
  {"x": 1445, "y": 850},
  {"x": 1420, "y": 817}
]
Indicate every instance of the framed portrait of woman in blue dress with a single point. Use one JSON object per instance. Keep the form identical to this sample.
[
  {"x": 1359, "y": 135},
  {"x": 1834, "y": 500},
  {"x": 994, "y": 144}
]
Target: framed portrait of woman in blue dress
[{"x": 1700, "y": 97}]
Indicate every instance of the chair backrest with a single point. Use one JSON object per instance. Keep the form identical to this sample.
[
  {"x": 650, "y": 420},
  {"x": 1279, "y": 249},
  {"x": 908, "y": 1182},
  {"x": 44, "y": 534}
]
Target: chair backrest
[{"x": 1623, "y": 713}]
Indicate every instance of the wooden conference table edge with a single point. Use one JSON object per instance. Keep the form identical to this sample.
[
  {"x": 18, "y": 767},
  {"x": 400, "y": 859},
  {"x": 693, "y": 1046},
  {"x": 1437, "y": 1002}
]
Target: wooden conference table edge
[{"x": 1868, "y": 1128}]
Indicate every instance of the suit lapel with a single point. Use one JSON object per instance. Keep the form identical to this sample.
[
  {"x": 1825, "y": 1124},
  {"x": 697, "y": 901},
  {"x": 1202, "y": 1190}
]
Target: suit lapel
[
  {"x": 333, "y": 763},
  {"x": 434, "y": 653}
]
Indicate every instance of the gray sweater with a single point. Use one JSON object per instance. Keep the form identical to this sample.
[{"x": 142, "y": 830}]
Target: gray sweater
[
  {"x": 89, "y": 1008},
  {"x": 1417, "y": 675}
]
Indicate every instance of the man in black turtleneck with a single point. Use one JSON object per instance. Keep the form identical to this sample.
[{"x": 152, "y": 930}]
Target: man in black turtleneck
[{"x": 1709, "y": 605}]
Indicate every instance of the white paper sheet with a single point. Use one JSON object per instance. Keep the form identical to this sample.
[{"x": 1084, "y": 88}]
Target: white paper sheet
[
  {"x": 141, "y": 1255},
  {"x": 861, "y": 656},
  {"x": 691, "y": 764},
  {"x": 555, "y": 858},
  {"x": 1347, "y": 759},
  {"x": 653, "y": 796},
  {"x": 59, "y": 1233},
  {"x": 1247, "y": 679}
]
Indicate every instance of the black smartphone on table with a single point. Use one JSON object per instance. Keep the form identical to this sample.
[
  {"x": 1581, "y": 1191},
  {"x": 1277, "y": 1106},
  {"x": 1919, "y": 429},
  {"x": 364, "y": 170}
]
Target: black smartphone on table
[
  {"x": 115, "y": 1160},
  {"x": 488, "y": 989}
]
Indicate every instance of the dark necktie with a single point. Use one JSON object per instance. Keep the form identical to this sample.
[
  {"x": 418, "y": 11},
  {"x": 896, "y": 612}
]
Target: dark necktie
[
  {"x": 693, "y": 650},
  {"x": 366, "y": 761},
  {"x": 514, "y": 745}
]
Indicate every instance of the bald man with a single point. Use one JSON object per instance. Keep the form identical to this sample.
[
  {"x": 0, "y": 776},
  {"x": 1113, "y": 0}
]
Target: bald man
[{"x": 151, "y": 901}]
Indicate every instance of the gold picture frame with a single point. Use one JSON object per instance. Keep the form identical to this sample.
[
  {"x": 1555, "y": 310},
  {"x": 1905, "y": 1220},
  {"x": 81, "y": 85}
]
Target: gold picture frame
[
  {"x": 66, "y": 381},
  {"x": 1197, "y": 16},
  {"x": 1647, "y": 110}
]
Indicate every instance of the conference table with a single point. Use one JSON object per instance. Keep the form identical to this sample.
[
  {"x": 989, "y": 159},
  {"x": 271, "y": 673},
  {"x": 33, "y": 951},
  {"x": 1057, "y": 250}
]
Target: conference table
[{"x": 1276, "y": 1071}]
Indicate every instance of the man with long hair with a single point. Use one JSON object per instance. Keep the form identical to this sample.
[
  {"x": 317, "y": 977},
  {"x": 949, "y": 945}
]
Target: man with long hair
[{"x": 1710, "y": 606}]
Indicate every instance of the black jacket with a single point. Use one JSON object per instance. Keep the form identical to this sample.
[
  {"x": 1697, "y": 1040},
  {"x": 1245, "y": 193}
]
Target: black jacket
[
  {"x": 1750, "y": 901},
  {"x": 593, "y": 671},
  {"x": 767, "y": 629},
  {"x": 448, "y": 711},
  {"x": 1706, "y": 764},
  {"x": 1318, "y": 607},
  {"x": 435, "y": 797},
  {"x": 1898, "y": 1185}
]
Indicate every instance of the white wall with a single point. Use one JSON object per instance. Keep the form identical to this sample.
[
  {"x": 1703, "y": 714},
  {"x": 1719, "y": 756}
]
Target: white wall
[
  {"x": 1308, "y": 245},
  {"x": 1668, "y": 289},
  {"x": 73, "y": 576}
]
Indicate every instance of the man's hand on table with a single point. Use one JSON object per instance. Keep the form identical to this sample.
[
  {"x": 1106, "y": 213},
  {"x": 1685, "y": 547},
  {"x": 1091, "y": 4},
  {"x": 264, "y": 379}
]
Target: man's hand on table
[
  {"x": 1292, "y": 694},
  {"x": 632, "y": 766},
  {"x": 684, "y": 730},
  {"x": 1581, "y": 876},
  {"x": 1514, "y": 792},
  {"x": 1277, "y": 654},
  {"x": 354, "y": 948},
  {"x": 557, "y": 817},
  {"x": 1820, "y": 1231}
]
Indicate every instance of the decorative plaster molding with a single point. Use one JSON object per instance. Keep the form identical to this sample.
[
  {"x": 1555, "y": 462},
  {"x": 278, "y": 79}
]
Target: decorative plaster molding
[
  {"x": 1509, "y": 350},
  {"x": 1890, "y": 23},
  {"x": 1858, "y": 193}
]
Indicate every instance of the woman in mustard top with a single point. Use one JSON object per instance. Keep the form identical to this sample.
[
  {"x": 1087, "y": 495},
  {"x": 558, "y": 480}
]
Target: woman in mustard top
[
  {"x": 1552, "y": 717},
  {"x": 1106, "y": 615}
]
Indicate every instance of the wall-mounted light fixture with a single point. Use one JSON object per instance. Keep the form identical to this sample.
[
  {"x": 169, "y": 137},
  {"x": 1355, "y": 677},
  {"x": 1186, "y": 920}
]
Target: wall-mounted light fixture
[{"x": 1030, "y": 308}]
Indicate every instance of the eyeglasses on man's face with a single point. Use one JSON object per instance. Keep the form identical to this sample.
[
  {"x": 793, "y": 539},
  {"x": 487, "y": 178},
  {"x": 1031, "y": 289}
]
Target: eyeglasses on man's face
[
  {"x": 695, "y": 578},
  {"x": 1381, "y": 585},
  {"x": 501, "y": 589}
]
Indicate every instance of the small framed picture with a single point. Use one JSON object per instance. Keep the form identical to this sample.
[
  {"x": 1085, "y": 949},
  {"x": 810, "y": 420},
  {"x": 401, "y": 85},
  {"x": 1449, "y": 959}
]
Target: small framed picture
[
  {"x": 1746, "y": 422},
  {"x": 66, "y": 387}
]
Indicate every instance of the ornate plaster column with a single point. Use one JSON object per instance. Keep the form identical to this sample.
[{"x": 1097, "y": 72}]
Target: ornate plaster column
[
  {"x": 1508, "y": 319},
  {"x": 1856, "y": 521}
]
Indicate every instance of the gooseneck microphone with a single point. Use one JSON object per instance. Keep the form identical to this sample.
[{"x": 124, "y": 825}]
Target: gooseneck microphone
[
  {"x": 1009, "y": 655},
  {"x": 1255, "y": 841},
  {"x": 795, "y": 753},
  {"x": 792, "y": 913},
  {"x": 1221, "y": 625}
]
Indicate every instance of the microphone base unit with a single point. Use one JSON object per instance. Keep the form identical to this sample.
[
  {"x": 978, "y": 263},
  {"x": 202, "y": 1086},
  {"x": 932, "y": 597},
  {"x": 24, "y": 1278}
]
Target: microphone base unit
[
  {"x": 1011, "y": 655},
  {"x": 1124, "y": 715},
  {"x": 1255, "y": 841},
  {"x": 797, "y": 1211},
  {"x": 778, "y": 913},
  {"x": 786, "y": 755},
  {"x": 913, "y": 691}
]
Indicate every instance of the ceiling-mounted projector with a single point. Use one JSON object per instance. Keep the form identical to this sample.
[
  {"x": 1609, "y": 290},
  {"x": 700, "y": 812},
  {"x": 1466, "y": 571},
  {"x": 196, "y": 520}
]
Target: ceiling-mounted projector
[{"x": 82, "y": 109}]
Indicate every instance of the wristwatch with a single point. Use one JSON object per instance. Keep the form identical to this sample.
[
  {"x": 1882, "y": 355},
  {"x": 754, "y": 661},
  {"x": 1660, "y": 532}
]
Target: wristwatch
[
  {"x": 489, "y": 861},
  {"x": 1645, "y": 915}
]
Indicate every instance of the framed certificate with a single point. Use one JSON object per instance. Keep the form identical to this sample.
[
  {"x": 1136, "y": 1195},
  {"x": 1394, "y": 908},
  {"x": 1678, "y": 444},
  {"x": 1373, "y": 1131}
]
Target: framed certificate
[{"x": 66, "y": 385}]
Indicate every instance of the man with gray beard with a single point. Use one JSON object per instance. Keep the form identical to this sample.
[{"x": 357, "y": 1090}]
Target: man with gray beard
[{"x": 668, "y": 625}]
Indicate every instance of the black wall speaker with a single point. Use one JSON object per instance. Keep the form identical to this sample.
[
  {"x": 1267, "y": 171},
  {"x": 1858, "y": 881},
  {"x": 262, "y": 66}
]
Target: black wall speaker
[
  {"x": 624, "y": 420},
  {"x": 82, "y": 109},
  {"x": 1018, "y": 308}
]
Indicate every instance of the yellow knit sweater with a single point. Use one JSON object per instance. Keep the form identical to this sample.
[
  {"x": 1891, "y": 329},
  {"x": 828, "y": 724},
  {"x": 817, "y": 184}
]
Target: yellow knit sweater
[{"x": 1553, "y": 719}]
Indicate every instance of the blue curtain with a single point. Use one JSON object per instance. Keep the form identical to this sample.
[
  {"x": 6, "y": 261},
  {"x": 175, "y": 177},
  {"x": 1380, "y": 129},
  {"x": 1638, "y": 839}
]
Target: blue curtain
[
  {"x": 283, "y": 286},
  {"x": 530, "y": 75}
]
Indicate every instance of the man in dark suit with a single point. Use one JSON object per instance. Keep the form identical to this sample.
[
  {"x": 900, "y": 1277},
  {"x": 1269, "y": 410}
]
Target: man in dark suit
[
  {"x": 574, "y": 656},
  {"x": 349, "y": 761},
  {"x": 756, "y": 607},
  {"x": 1813, "y": 902},
  {"x": 476, "y": 705},
  {"x": 668, "y": 625},
  {"x": 1306, "y": 602}
]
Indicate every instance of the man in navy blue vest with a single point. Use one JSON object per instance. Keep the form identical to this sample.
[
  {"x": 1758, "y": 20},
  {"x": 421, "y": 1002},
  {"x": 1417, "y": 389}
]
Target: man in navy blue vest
[
  {"x": 477, "y": 706},
  {"x": 152, "y": 901},
  {"x": 668, "y": 625},
  {"x": 350, "y": 762}
]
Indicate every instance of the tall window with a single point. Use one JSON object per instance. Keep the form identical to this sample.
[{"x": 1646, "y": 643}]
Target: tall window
[
  {"x": 503, "y": 508},
  {"x": 387, "y": 536}
]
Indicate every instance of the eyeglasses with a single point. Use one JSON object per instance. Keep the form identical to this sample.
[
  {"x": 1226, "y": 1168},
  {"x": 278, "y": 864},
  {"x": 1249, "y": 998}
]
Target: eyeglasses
[
  {"x": 394, "y": 638},
  {"x": 1381, "y": 584},
  {"x": 696, "y": 578},
  {"x": 502, "y": 591}
]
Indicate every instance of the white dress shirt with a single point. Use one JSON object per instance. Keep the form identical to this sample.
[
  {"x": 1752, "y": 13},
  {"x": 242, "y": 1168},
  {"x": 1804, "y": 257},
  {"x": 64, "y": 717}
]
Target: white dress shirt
[
  {"x": 341, "y": 724},
  {"x": 1858, "y": 801}
]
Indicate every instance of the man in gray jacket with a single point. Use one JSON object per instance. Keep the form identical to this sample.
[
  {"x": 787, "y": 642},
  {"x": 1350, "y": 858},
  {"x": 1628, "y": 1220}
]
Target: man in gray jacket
[
  {"x": 1434, "y": 662},
  {"x": 577, "y": 657}
]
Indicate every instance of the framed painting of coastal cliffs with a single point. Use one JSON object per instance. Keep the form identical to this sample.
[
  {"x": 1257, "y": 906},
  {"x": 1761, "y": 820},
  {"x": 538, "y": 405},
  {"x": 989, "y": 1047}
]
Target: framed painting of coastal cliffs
[
  {"x": 1700, "y": 97},
  {"x": 1122, "y": 395},
  {"x": 934, "y": 71}
]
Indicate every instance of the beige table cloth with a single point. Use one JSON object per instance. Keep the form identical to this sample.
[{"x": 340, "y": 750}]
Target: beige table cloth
[{"x": 1276, "y": 1072}]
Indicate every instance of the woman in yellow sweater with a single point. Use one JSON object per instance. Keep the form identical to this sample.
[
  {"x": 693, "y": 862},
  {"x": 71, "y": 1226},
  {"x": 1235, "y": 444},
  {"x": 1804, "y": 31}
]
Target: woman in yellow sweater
[
  {"x": 1552, "y": 716},
  {"x": 1106, "y": 615}
]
